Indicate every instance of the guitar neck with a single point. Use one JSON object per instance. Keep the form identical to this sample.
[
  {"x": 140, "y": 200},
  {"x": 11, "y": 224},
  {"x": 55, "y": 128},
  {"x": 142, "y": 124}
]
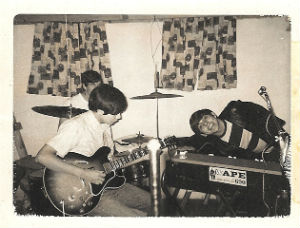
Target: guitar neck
[
  {"x": 137, "y": 154},
  {"x": 123, "y": 161}
]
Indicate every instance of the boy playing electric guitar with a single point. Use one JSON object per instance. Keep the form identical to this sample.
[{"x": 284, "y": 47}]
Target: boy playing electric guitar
[{"x": 84, "y": 135}]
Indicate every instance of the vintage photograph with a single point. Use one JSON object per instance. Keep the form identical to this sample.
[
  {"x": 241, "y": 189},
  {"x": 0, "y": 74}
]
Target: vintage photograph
[{"x": 152, "y": 115}]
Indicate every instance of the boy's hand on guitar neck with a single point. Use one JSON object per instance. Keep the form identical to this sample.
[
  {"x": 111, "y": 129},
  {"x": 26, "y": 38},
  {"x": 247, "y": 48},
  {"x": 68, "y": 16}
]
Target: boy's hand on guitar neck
[{"x": 93, "y": 176}]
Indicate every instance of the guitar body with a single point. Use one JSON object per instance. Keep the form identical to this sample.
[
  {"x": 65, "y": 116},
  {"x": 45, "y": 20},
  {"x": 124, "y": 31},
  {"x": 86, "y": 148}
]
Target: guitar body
[{"x": 74, "y": 196}]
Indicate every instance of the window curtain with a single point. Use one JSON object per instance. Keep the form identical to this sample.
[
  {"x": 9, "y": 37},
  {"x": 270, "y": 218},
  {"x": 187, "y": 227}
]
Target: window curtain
[
  {"x": 62, "y": 51},
  {"x": 199, "y": 53}
]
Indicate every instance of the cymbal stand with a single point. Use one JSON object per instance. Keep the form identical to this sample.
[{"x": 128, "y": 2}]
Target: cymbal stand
[
  {"x": 156, "y": 84},
  {"x": 157, "y": 128}
]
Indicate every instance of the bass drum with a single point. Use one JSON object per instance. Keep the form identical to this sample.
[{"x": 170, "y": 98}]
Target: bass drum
[{"x": 138, "y": 174}]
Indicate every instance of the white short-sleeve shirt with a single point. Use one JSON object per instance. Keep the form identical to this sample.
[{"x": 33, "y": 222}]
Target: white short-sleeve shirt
[
  {"x": 82, "y": 134},
  {"x": 78, "y": 101}
]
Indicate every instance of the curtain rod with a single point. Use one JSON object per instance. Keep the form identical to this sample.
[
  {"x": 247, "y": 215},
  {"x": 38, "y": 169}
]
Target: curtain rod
[{"x": 88, "y": 18}]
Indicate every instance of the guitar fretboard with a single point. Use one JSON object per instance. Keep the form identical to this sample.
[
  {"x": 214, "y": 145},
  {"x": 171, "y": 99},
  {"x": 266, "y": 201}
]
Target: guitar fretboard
[
  {"x": 124, "y": 160},
  {"x": 136, "y": 154}
]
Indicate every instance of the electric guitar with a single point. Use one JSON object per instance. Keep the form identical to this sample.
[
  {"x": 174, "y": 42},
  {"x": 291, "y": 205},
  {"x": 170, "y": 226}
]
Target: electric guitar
[{"x": 74, "y": 196}]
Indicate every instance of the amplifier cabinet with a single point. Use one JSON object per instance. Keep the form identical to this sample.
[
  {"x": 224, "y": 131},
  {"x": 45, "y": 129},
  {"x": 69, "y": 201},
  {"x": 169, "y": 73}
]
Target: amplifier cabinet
[{"x": 246, "y": 192}]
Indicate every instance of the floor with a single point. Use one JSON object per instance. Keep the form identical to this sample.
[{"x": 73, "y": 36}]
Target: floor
[{"x": 29, "y": 198}]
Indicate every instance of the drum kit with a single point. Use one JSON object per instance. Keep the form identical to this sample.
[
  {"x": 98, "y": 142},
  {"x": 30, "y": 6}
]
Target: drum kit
[
  {"x": 58, "y": 111},
  {"x": 134, "y": 173}
]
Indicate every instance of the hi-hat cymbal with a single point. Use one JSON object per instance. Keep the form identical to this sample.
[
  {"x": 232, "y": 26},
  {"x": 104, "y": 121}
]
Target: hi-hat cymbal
[
  {"x": 140, "y": 139},
  {"x": 58, "y": 111},
  {"x": 156, "y": 95}
]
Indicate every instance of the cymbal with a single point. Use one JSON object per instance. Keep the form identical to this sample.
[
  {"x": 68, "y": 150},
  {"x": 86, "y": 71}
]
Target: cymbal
[
  {"x": 156, "y": 95},
  {"x": 139, "y": 139},
  {"x": 58, "y": 111}
]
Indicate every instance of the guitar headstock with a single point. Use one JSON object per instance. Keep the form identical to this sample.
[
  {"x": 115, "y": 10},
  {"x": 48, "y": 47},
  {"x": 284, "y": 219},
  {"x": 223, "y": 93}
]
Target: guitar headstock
[{"x": 169, "y": 142}]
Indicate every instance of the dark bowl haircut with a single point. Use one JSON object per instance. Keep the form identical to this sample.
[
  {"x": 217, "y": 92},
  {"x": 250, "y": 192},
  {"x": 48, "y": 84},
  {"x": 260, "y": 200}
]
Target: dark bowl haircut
[
  {"x": 107, "y": 98},
  {"x": 90, "y": 76},
  {"x": 196, "y": 117}
]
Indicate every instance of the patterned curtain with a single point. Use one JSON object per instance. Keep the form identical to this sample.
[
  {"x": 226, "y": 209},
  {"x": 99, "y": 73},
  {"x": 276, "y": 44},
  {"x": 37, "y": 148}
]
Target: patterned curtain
[
  {"x": 199, "y": 52},
  {"x": 62, "y": 51}
]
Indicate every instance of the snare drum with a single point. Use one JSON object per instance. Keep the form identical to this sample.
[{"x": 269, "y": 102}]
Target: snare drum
[{"x": 137, "y": 172}]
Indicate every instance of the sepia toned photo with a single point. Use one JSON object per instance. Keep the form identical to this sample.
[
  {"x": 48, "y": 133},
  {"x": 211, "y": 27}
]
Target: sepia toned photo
[
  {"x": 143, "y": 114},
  {"x": 152, "y": 115}
]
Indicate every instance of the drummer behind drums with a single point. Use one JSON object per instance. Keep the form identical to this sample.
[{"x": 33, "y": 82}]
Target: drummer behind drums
[{"x": 89, "y": 80}]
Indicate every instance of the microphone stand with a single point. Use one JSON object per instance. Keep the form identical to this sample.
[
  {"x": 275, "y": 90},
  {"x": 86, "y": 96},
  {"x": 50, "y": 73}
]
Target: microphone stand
[
  {"x": 283, "y": 137},
  {"x": 154, "y": 147}
]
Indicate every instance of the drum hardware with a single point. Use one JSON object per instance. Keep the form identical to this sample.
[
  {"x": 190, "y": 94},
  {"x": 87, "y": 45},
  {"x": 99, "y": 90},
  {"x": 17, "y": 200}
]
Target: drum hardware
[
  {"x": 58, "y": 111},
  {"x": 136, "y": 173},
  {"x": 156, "y": 95},
  {"x": 154, "y": 149},
  {"x": 139, "y": 139}
]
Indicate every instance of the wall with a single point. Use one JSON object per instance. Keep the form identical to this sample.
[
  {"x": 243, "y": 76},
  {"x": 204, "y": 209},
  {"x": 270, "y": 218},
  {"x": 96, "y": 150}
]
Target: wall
[{"x": 263, "y": 58}]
